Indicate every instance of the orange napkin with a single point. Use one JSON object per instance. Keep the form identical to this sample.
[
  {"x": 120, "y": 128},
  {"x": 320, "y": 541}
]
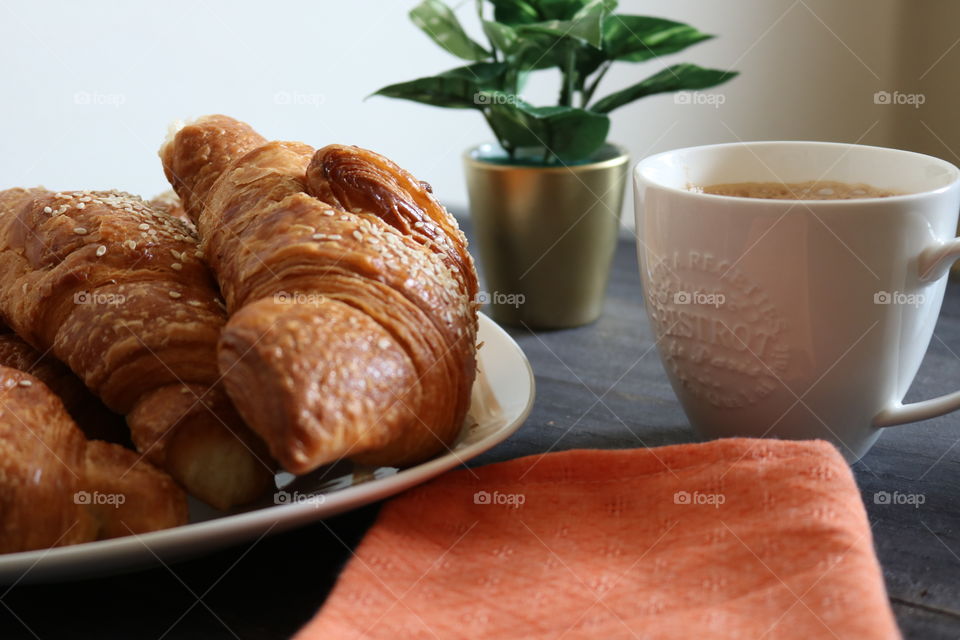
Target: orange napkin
[{"x": 734, "y": 538}]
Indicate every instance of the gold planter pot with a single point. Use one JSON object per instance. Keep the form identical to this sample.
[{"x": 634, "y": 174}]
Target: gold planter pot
[{"x": 547, "y": 236}]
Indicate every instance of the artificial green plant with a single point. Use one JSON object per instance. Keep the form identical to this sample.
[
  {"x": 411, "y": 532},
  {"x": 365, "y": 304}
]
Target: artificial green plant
[{"x": 580, "y": 38}]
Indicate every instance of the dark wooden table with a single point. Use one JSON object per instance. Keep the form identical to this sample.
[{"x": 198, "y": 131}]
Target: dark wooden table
[{"x": 595, "y": 388}]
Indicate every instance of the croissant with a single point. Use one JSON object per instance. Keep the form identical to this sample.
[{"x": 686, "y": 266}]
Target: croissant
[
  {"x": 350, "y": 291},
  {"x": 93, "y": 418},
  {"x": 41, "y": 464},
  {"x": 56, "y": 489},
  {"x": 118, "y": 292},
  {"x": 125, "y": 494}
]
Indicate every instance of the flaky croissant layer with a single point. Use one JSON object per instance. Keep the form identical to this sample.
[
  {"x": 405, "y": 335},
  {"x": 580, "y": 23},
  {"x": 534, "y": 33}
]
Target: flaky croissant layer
[{"x": 350, "y": 290}]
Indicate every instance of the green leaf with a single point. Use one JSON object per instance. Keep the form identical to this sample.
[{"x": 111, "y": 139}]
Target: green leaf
[
  {"x": 511, "y": 12},
  {"x": 514, "y": 12},
  {"x": 568, "y": 133},
  {"x": 458, "y": 88},
  {"x": 586, "y": 25},
  {"x": 526, "y": 51},
  {"x": 564, "y": 9},
  {"x": 546, "y": 44},
  {"x": 502, "y": 36},
  {"x": 595, "y": 7},
  {"x": 639, "y": 38},
  {"x": 438, "y": 21},
  {"x": 586, "y": 30},
  {"x": 540, "y": 45},
  {"x": 675, "y": 78}
]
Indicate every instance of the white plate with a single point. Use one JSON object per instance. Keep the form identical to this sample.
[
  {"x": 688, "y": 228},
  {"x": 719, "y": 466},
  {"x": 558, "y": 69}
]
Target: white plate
[{"x": 502, "y": 399}]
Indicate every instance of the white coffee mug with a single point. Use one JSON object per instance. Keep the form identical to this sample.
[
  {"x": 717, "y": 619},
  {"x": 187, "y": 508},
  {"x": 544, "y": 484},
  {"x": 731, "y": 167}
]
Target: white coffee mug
[{"x": 796, "y": 319}]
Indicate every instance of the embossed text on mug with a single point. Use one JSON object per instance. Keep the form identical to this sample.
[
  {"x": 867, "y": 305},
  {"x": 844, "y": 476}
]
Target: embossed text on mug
[{"x": 718, "y": 332}]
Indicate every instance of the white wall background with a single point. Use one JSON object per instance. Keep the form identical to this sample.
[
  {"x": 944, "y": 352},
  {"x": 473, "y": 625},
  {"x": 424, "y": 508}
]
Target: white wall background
[{"x": 90, "y": 87}]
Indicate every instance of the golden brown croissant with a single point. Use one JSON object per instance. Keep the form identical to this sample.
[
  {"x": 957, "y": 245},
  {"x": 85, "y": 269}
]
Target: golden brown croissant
[
  {"x": 57, "y": 489},
  {"x": 126, "y": 494},
  {"x": 41, "y": 466},
  {"x": 353, "y": 324},
  {"x": 93, "y": 418},
  {"x": 117, "y": 291}
]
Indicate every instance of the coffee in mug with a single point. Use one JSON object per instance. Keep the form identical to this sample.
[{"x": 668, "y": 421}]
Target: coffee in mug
[{"x": 809, "y": 190}]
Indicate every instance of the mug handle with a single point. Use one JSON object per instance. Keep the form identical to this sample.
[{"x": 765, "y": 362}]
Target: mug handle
[{"x": 933, "y": 264}]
